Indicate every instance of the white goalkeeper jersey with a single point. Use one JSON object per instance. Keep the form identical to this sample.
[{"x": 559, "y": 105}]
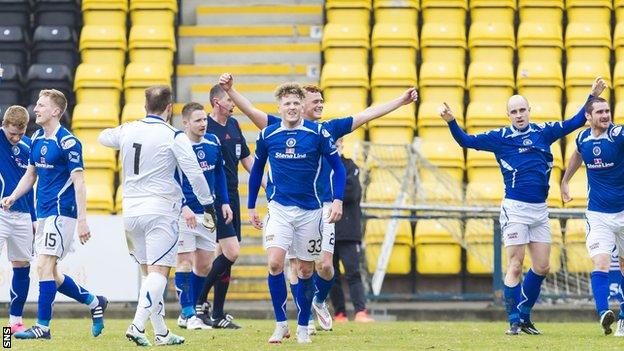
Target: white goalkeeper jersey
[{"x": 151, "y": 152}]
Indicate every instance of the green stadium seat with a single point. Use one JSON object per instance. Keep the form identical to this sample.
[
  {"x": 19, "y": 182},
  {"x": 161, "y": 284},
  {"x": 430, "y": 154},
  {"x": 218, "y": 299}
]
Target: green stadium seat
[
  {"x": 437, "y": 250},
  {"x": 540, "y": 41}
]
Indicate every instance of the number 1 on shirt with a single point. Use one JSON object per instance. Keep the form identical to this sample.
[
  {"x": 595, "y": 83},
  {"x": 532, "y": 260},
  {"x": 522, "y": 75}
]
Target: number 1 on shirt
[{"x": 137, "y": 156}]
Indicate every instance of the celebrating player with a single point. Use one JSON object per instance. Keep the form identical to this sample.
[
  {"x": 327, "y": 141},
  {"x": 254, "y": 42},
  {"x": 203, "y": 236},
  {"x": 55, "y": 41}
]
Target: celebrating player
[
  {"x": 151, "y": 150},
  {"x": 294, "y": 149},
  {"x": 56, "y": 159},
  {"x": 338, "y": 127},
  {"x": 601, "y": 148},
  {"x": 16, "y": 225},
  {"x": 197, "y": 245},
  {"x": 523, "y": 152}
]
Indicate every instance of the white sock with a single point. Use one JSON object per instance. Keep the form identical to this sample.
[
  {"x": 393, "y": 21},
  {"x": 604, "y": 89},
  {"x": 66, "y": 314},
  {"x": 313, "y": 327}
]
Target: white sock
[
  {"x": 282, "y": 324},
  {"x": 302, "y": 329},
  {"x": 158, "y": 319},
  {"x": 13, "y": 320},
  {"x": 154, "y": 285},
  {"x": 94, "y": 303}
]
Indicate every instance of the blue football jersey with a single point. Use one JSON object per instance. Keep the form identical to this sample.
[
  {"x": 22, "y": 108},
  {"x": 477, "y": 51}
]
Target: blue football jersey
[
  {"x": 55, "y": 158},
  {"x": 604, "y": 159},
  {"x": 337, "y": 128},
  {"x": 14, "y": 160},
  {"x": 295, "y": 158},
  {"x": 208, "y": 152}
]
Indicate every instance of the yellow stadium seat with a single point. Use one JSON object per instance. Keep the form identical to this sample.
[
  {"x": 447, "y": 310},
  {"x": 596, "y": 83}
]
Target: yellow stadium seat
[
  {"x": 570, "y": 147},
  {"x": 118, "y": 200},
  {"x": 386, "y": 191},
  {"x": 578, "y": 189},
  {"x": 618, "y": 81},
  {"x": 479, "y": 237},
  {"x": 353, "y": 77},
  {"x": 485, "y": 10},
  {"x": 580, "y": 77},
  {"x": 487, "y": 192},
  {"x": 429, "y": 115},
  {"x": 437, "y": 192},
  {"x": 91, "y": 115},
  {"x": 618, "y": 115},
  {"x": 544, "y": 111},
  {"x": 578, "y": 258},
  {"x": 341, "y": 109},
  {"x": 490, "y": 81},
  {"x": 437, "y": 250},
  {"x": 444, "y": 10},
  {"x": 396, "y": 42},
  {"x": 556, "y": 151},
  {"x": 341, "y": 11},
  {"x": 443, "y": 41},
  {"x": 619, "y": 10},
  {"x": 387, "y": 155},
  {"x": 404, "y": 116},
  {"x": 391, "y": 135},
  {"x": 540, "y": 81},
  {"x": 588, "y": 41},
  {"x": 132, "y": 112},
  {"x": 442, "y": 81},
  {"x": 589, "y": 10},
  {"x": 393, "y": 74},
  {"x": 95, "y": 83},
  {"x": 152, "y": 44},
  {"x": 142, "y": 75},
  {"x": 391, "y": 11},
  {"x": 104, "y": 13},
  {"x": 103, "y": 45},
  {"x": 99, "y": 184},
  {"x": 376, "y": 230},
  {"x": 95, "y": 154},
  {"x": 618, "y": 42},
  {"x": 448, "y": 156},
  {"x": 400, "y": 259},
  {"x": 153, "y": 11},
  {"x": 486, "y": 114},
  {"x": 541, "y": 11},
  {"x": 540, "y": 41},
  {"x": 345, "y": 43},
  {"x": 480, "y": 159},
  {"x": 491, "y": 41}
]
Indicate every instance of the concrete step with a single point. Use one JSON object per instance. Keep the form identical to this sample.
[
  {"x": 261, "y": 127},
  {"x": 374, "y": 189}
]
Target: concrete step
[
  {"x": 252, "y": 250},
  {"x": 244, "y": 54},
  {"x": 257, "y": 93},
  {"x": 251, "y": 260},
  {"x": 249, "y": 271},
  {"x": 249, "y": 285},
  {"x": 189, "y": 75},
  {"x": 260, "y": 14},
  {"x": 188, "y": 7},
  {"x": 189, "y": 36}
]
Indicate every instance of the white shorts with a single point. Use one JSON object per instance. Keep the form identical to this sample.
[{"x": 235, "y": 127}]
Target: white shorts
[
  {"x": 55, "y": 235},
  {"x": 604, "y": 231},
  {"x": 523, "y": 223},
  {"x": 16, "y": 230},
  {"x": 152, "y": 239},
  {"x": 198, "y": 238},
  {"x": 328, "y": 234},
  {"x": 291, "y": 226}
]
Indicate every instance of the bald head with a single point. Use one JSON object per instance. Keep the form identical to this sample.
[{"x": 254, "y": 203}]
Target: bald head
[
  {"x": 518, "y": 111},
  {"x": 517, "y": 100}
]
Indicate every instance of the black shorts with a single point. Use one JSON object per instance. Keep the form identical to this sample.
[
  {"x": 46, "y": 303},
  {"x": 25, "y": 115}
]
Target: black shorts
[{"x": 232, "y": 229}]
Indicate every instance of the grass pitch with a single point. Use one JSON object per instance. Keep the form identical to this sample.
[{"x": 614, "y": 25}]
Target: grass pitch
[{"x": 75, "y": 334}]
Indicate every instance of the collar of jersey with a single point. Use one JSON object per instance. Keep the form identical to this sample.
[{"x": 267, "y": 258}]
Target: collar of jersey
[
  {"x": 604, "y": 135},
  {"x": 53, "y": 137},
  {"x": 155, "y": 117},
  {"x": 295, "y": 127}
]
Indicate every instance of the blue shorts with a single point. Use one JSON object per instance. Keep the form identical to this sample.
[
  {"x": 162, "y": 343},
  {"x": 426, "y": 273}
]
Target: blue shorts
[{"x": 225, "y": 230}]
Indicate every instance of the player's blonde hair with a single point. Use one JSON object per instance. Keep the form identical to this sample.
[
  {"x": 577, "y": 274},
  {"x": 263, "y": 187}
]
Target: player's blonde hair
[
  {"x": 311, "y": 88},
  {"x": 289, "y": 89},
  {"x": 191, "y": 107},
  {"x": 15, "y": 116},
  {"x": 57, "y": 98}
]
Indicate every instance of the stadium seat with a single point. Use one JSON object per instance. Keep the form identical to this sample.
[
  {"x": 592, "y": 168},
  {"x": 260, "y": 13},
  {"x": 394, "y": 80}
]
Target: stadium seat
[
  {"x": 447, "y": 157},
  {"x": 11, "y": 88},
  {"x": 429, "y": 115},
  {"x": 578, "y": 260},
  {"x": 585, "y": 41},
  {"x": 99, "y": 185},
  {"x": 485, "y": 10},
  {"x": 544, "y": 111},
  {"x": 152, "y": 44},
  {"x": 118, "y": 200},
  {"x": 391, "y": 135},
  {"x": 42, "y": 76},
  {"x": 105, "y": 13},
  {"x": 580, "y": 77},
  {"x": 132, "y": 112},
  {"x": 387, "y": 155},
  {"x": 95, "y": 154},
  {"x": 479, "y": 238},
  {"x": 541, "y": 11},
  {"x": 444, "y": 10},
  {"x": 400, "y": 259},
  {"x": 97, "y": 83},
  {"x": 142, "y": 75},
  {"x": 619, "y": 10},
  {"x": 442, "y": 81},
  {"x": 589, "y": 10},
  {"x": 341, "y": 11},
  {"x": 443, "y": 41},
  {"x": 153, "y": 11},
  {"x": 437, "y": 192},
  {"x": 390, "y": 11},
  {"x": 437, "y": 250},
  {"x": 394, "y": 74},
  {"x": 491, "y": 41},
  {"x": 57, "y": 13},
  {"x": 618, "y": 81},
  {"x": 489, "y": 191},
  {"x": 578, "y": 190},
  {"x": 394, "y": 42},
  {"x": 16, "y": 13},
  {"x": 618, "y": 41},
  {"x": 486, "y": 114},
  {"x": 489, "y": 81},
  {"x": 476, "y": 161},
  {"x": 103, "y": 45},
  {"x": 403, "y": 116},
  {"x": 541, "y": 81},
  {"x": 55, "y": 45},
  {"x": 540, "y": 41},
  {"x": 90, "y": 115},
  {"x": 618, "y": 116},
  {"x": 13, "y": 46},
  {"x": 376, "y": 230},
  {"x": 345, "y": 43},
  {"x": 338, "y": 79}
]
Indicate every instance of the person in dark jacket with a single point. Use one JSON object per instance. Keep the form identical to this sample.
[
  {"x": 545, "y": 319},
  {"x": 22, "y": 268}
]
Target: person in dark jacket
[{"x": 347, "y": 249}]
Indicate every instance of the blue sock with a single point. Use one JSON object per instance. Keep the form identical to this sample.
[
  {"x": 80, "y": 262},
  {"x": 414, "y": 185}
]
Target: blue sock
[
  {"x": 293, "y": 291},
  {"x": 600, "y": 288},
  {"x": 622, "y": 302},
  {"x": 279, "y": 294},
  {"x": 323, "y": 287},
  {"x": 47, "y": 292},
  {"x": 512, "y": 297},
  {"x": 531, "y": 288},
  {"x": 305, "y": 294},
  {"x": 19, "y": 290},
  {"x": 197, "y": 282},
  {"x": 185, "y": 293},
  {"x": 69, "y": 288}
]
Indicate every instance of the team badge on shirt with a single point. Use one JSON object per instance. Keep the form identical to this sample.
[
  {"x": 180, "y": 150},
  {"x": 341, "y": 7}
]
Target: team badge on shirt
[
  {"x": 527, "y": 142},
  {"x": 596, "y": 150},
  {"x": 201, "y": 154},
  {"x": 16, "y": 150},
  {"x": 44, "y": 150}
]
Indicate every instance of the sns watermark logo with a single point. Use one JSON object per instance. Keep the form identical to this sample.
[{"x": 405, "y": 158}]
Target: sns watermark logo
[{"x": 6, "y": 337}]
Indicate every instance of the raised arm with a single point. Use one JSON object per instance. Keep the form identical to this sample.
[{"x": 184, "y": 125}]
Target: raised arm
[
  {"x": 259, "y": 118},
  {"x": 482, "y": 141},
  {"x": 373, "y": 112},
  {"x": 573, "y": 165}
]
